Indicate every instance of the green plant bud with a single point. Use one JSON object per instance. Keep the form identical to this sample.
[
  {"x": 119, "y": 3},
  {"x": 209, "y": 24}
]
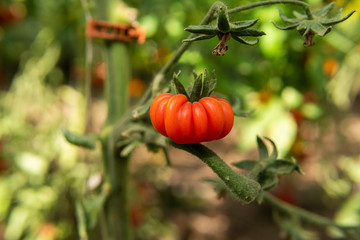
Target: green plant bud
[
  {"x": 223, "y": 23},
  {"x": 79, "y": 140}
]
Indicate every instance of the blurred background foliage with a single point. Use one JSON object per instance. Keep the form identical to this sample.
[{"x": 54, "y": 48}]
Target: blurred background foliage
[{"x": 306, "y": 100}]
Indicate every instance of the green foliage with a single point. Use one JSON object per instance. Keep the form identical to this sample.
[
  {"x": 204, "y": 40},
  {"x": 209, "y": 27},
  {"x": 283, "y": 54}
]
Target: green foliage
[
  {"x": 267, "y": 170},
  {"x": 201, "y": 87},
  {"x": 79, "y": 140},
  {"x": 319, "y": 22},
  {"x": 225, "y": 29}
]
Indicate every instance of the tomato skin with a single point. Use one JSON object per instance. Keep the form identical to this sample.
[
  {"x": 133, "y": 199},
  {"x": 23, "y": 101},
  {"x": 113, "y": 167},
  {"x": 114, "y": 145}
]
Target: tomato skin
[{"x": 209, "y": 119}]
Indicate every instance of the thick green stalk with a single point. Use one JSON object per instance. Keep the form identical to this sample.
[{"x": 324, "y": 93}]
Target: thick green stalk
[
  {"x": 118, "y": 75},
  {"x": 243, "y": 187},
  {"x": 116, "y": 209},
  {"x": 304, "y": 5}
]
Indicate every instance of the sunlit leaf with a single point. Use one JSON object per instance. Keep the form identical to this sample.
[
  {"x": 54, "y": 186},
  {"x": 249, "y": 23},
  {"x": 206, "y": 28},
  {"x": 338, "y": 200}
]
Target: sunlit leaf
[{"x": 263, "y": 152}]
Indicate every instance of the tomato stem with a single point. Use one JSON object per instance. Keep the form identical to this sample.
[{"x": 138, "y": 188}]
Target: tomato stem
[
  {"x": 304, "y": 5},
  {"x": 350, "y": 232},
  {"x": 243, "y": 187}
]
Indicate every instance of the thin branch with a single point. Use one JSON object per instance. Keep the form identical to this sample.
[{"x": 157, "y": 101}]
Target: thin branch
[
  {"x": 349, "y": 231},
  {"x": 88, "y": 61},
  {"x": 304, "y": 5}
]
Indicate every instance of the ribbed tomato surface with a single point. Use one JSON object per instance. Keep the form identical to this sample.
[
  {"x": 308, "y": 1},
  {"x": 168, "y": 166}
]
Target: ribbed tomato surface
[{"x": 209, "y": 119}]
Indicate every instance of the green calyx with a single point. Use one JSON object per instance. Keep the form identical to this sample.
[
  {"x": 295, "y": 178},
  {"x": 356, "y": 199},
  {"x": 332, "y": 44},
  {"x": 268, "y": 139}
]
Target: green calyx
[
  {"x": 224, "y": 30},
  {"x": 313, "y": 23},
  {"x": 267, "y": 170},
  {"x": 203, "y": 86},
  {"x": 223, "y": 24}
]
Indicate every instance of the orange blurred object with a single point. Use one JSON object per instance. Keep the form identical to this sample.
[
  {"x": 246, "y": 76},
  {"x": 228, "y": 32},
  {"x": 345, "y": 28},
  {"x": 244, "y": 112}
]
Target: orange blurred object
[
  {"x": 330, "y": 66},
  {"x": 297, "y": 115},
  {"x": 136, "y": 87},
  {"x": 264, "y": 95},
  {"x": 99, "y": 75},
  {"x": 115, "y": 31},
  {"x": 11, "y": 13},
  {"x": 47, "y": 231},
  {"x": 162, "y": 55},
  {"x": 310, "y": 97}
]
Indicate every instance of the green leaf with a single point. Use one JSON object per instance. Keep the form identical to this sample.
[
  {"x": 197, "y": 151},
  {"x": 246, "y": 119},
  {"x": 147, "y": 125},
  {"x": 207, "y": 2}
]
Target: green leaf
[
  {"x": 80, "y": 140},
  {"x": 202, "y": 29},
  {"x": 263, "y": 152},
  {"x": 195, "y": 75},
  {"x": 336, "y": 20},
  {"x": 239, "y": 113},
  {"x": 299, "y": 16},
  {"x": 248, "y": 33},
  {"x": 313, "y": 25},
  {"x": 323, "y": 12},
  {"x": 241, "y": 25},
  {"x": 245, "y": 164},
  {"x": 209, "y": 84},
  {"x": 286, "y": 19},
  {"x": 179, "y": 88},
  {"x": 287, "y": 27},
  {"x": 274, "y": 153},
  {"x": 282, "y": 166},
  {"x": 245, "y": 41},
  {"x": 82, "y": 222},
  {"x": 237, "y": 107},
  {"x": 267, "y": 180},
  {"x": 195, "y": 94},
  {"x": 92, "y": 207},
  {"x": 141, "y": 111},
  {"x": 198, "y": 38},
  {"x": 127, "y": 150}
]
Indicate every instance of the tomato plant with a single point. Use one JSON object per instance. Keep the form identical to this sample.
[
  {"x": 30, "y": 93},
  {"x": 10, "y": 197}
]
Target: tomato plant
[{"x": 209, "y": 119}]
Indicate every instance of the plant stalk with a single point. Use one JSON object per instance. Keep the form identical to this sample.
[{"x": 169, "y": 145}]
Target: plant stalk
[
  {"x": 304, "y": 5},
  {"x": 116, "y": 209},
  {"x": 243, "y": 187},
  {"x": 350, "y": 232}
]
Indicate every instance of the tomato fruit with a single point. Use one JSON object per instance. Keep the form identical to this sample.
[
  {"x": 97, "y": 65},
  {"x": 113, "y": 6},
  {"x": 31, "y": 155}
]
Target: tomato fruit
[{"x": 209, "y": 119}]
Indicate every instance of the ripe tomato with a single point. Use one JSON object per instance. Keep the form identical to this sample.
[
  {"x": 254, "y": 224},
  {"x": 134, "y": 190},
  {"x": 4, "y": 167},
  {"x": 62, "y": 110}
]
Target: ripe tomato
[{"x": 173, "y": 116}]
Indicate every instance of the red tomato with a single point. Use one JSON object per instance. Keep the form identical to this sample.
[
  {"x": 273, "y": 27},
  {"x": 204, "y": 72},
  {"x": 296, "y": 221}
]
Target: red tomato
[{"x": 209, "y": 119}]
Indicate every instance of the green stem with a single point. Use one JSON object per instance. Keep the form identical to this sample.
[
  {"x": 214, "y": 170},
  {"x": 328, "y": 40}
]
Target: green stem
[
  {"x": 116, "y": 208},
  {"x": 160, "y": 76},
  {"x": 118, "y": 75},
  {"x": 117, "y": 211},
  {"x": 88, "y": 64},
  {"x": 308, "y": 216},
  {"x": 304, "y": 5},
  {"x": 243, "y": 187},
  {"x": 305, "y": 215}
]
